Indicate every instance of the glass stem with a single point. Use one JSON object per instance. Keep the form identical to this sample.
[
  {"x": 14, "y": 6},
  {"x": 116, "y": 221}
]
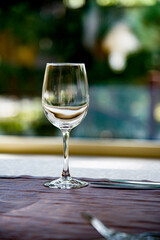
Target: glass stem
[{"x": 65, "y": 173}]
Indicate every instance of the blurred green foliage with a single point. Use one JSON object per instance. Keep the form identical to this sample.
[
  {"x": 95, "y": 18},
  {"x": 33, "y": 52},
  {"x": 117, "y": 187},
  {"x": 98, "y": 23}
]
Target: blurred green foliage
[
  {"x": 54, "y": 32},
  {"x": 32, "y": 34}
]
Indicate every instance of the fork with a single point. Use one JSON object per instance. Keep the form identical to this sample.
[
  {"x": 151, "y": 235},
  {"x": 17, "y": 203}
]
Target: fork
[{"x": 111, "y": 234}]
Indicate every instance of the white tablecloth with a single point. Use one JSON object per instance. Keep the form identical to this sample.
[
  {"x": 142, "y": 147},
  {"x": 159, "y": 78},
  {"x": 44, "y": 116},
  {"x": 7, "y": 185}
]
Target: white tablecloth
[{"x": 80, "y": 166}]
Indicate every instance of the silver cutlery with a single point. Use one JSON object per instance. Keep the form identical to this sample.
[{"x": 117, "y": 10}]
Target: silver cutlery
[
  {"x": 111, "y": 234},
  {"x": 148, "y": 183},
  {"x": 127, "y": 184}
]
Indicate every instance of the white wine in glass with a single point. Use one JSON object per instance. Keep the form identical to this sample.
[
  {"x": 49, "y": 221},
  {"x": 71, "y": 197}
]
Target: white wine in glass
[{"x": 65, "y": 99}]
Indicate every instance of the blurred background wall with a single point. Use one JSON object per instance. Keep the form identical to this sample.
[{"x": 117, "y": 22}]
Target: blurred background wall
[{"x": 118, "y": 40}]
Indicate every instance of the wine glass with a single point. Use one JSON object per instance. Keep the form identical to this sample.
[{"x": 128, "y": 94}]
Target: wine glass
[{"x": 65, "y": 99}]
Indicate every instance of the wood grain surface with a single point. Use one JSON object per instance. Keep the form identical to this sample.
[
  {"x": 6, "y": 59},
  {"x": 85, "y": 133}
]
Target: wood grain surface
[{"x": 28, "y": 210}]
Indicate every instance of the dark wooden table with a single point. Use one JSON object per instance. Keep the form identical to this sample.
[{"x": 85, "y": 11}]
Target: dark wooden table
[{"x": 28, "y": 210}]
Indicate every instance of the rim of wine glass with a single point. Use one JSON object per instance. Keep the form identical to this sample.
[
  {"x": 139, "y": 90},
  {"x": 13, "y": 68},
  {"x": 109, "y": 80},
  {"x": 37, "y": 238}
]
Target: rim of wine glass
[{"x": 66, "y": 64}]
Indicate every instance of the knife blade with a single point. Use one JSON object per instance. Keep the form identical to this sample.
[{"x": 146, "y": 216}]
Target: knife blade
[
  {"x": 121, "y": 185},
  {"x": 148, "y": 183}
]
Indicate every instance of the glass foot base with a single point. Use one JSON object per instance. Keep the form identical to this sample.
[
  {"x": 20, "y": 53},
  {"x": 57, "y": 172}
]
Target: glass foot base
[{"x": 63, "y": 183}]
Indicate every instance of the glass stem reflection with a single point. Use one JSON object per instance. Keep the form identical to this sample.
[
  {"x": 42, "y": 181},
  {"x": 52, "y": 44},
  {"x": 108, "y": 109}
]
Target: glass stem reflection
[{"x": 65, "y": 173}]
